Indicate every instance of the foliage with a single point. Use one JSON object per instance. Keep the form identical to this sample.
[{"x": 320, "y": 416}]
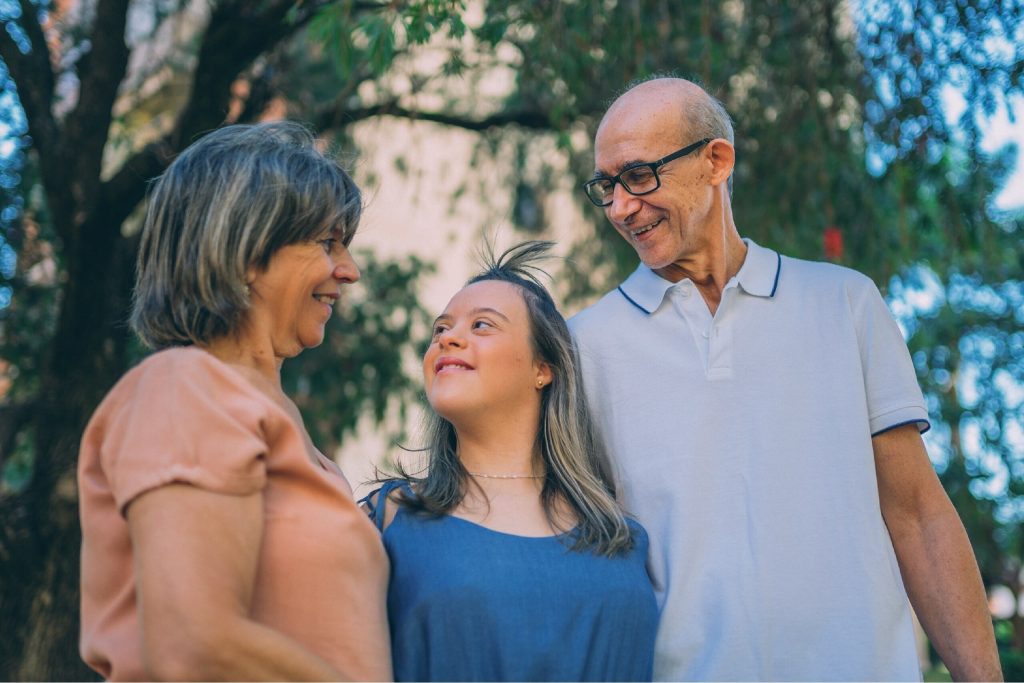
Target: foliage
[
  {"x": 360, "y": 367},
  {"x": 840, "y": 128},
  {"x": 840, "y": 133}
]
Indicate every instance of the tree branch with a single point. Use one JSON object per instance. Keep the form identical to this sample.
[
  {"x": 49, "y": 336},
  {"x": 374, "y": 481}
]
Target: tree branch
[
  {"x": 334, "y": 117},
  {"x": 12, "y": 418},
  {"x": 234, "y": 38},
  {"x": 88, "y": 125},
  {"x": 123, "y": 192},
  {"x": 34, "y": 79}
]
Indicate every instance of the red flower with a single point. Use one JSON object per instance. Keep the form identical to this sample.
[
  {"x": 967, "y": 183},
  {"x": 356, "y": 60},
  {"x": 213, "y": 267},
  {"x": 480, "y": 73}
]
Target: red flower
[{"x": 833, "y": 242}]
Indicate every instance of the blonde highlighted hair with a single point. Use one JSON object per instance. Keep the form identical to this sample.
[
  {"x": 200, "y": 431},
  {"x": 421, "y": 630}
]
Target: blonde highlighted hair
[{"x": 226, "y": 204}]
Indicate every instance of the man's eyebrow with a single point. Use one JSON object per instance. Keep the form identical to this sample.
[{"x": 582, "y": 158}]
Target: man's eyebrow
[{"x": 600, "y": 173}]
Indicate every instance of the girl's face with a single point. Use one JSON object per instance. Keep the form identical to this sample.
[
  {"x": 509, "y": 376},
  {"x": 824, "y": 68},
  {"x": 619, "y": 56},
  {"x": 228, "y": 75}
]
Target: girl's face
[{"x": 481, "y": 359}]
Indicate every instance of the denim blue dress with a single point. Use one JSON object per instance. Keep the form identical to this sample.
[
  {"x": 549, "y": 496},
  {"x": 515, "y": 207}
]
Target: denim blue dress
[{"x": 466, "y": 603}]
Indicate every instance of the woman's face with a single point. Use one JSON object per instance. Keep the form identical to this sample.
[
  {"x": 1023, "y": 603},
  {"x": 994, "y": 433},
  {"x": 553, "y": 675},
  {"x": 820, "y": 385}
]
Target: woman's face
[
  {"x": 480, "y": 358},
  {"x": 293, "y": 298}
]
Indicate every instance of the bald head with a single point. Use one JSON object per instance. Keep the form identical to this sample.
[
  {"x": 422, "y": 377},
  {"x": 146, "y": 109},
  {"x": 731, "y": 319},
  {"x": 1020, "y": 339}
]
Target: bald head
[
  {"x": 657, "y": 114},
  {"x": 676, "y": 103}
]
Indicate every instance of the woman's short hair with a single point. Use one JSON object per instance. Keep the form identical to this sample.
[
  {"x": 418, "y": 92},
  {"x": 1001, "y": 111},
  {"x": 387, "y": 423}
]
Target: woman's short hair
[
  {"x": 575, "y": 462},
  {"x": 226, "y": 204}
]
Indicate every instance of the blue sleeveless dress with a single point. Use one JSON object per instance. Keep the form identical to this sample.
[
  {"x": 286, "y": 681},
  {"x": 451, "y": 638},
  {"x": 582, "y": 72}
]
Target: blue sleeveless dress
[{"x": 466, "y": 603}]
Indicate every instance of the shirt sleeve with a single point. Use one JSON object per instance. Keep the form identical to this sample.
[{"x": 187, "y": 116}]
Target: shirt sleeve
[
  {"x": 893, "y": 394},
  {"x": 184, "y": 418}
]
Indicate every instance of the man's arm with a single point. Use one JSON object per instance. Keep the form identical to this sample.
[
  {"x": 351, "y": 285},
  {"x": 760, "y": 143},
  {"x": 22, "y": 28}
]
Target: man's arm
[{"x": 936, "y": 561}]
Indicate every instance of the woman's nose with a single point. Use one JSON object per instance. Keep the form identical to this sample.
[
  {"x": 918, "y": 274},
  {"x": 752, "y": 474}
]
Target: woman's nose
[{"x": 345, "y": 268}]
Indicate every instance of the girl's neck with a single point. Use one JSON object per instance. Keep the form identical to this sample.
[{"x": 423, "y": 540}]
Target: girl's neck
[
  {"x": 497, "y": 461},
  {"x": 500, "y": 447}
]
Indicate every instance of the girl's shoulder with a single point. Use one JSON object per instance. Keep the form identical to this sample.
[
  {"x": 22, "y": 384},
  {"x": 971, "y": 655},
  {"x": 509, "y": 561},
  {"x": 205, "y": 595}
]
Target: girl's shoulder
[{"x": 382, "y": 504}]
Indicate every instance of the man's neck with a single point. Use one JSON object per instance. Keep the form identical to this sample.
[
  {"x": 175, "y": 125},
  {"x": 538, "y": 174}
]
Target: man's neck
[{"x": 712, "y": 267}]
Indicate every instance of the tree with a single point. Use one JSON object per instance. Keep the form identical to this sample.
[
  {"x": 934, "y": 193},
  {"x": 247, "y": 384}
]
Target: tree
[
  {"x": 69, "y": 66},
  {"x": 815, "y": 88}
]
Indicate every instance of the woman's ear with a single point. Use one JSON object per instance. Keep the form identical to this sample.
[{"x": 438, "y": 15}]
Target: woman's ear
[{"x": 544, "y": 375}]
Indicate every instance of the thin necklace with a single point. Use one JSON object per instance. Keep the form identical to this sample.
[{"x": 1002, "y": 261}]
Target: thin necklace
[{"x": 505, "y": 476}]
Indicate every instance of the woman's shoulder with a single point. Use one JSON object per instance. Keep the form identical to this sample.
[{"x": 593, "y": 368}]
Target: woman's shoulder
[
  {"x": 182, "y": 361},
  {"x": 177, "y": 384},
  {"x": 187, "y": 370}
]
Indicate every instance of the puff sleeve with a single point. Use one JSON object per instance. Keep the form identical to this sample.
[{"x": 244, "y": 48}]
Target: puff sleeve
[{"x": 181, "y": 416}]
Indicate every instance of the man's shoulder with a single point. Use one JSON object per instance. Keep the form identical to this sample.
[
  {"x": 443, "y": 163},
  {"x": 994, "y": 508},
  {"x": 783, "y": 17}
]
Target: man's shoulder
[
  {"x": 597, "y": 316},
  {"x": 822, "y": 276}
]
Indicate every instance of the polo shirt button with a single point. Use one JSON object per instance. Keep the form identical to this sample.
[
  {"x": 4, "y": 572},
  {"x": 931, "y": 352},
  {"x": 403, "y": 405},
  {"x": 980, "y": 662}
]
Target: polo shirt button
[{"x": 705, "y": 334}]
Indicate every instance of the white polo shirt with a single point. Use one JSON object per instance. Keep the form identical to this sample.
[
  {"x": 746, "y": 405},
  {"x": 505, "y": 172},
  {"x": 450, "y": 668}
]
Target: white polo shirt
[{"x": 742, "y": 442}]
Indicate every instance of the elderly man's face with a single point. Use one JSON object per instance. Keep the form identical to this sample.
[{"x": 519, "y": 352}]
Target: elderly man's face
[{"x": 669, "y": 225}]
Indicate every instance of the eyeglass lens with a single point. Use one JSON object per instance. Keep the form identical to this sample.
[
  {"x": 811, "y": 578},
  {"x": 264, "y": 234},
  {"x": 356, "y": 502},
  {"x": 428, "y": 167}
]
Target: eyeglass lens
[{"x": 639, "y": 180}]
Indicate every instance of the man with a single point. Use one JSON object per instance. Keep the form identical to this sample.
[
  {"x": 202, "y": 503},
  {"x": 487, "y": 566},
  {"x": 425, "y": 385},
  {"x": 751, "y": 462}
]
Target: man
[{"x": 764, "y": 416}]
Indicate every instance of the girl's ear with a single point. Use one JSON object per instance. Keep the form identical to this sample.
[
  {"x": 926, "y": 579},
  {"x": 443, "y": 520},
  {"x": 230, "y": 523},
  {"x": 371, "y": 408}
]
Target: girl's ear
[{"x": 544, "y": 375}]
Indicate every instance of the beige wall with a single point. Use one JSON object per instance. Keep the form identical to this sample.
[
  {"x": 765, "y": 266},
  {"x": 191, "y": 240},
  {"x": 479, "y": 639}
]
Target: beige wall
[{"x": 413, "y": 213}]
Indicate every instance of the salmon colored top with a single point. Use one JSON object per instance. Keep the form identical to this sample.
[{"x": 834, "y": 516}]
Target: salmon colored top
[{"x": 183, "y": 416}]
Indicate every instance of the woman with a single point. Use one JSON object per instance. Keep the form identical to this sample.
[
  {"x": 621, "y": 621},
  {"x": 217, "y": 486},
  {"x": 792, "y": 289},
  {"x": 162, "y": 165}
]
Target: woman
[
  {"x": 218, "y": 542},
  {"x": 510, "y": 558}
]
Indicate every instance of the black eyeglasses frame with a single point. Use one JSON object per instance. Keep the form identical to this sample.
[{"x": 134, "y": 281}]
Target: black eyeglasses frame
[{"x": 654, "y": 166}]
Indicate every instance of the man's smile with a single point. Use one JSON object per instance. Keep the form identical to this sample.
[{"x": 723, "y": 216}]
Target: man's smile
[{"x": 635, "y": 234}]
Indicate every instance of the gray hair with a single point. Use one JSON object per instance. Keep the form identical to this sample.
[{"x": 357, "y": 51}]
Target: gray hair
[
  {"x": 225, "y": 205},
  {"x": 575, "y": 461}
]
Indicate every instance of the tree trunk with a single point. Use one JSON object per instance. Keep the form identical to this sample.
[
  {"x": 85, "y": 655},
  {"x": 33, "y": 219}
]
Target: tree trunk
[{"x": 41, "y": 538}]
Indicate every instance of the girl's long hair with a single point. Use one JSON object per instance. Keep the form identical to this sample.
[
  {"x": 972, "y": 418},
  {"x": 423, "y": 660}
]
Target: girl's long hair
[{"x": 575, "y": 461}]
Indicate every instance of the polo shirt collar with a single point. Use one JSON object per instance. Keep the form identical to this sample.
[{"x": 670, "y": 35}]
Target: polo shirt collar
[{"x": 759, "y": 276}]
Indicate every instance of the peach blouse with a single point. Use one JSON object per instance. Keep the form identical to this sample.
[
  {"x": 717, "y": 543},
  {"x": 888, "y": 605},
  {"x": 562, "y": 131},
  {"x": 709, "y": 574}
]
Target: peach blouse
[{"x": 183, "y": 416}]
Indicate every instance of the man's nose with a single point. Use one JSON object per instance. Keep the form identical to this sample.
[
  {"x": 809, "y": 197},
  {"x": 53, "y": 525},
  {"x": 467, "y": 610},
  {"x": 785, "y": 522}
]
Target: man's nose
[
  {"x": 345, "y": 268},
  {"x": 623, "y": 204}
]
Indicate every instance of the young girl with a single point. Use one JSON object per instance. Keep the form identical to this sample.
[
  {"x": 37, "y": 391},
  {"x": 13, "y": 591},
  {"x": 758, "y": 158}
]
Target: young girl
[{"x": 511, "y": 559}]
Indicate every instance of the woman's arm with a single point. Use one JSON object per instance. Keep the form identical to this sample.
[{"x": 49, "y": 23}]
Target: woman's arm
[{"x": 195, "y": 555}]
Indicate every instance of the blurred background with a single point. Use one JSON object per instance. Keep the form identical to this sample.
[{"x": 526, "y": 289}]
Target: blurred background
[{"x": 879, "y": 135}]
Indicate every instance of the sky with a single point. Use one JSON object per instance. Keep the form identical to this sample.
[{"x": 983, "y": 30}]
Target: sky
[{"x": 999, "y": 131}]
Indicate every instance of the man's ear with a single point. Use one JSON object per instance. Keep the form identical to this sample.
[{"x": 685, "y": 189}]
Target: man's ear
[{"x": 723, "y": 158}]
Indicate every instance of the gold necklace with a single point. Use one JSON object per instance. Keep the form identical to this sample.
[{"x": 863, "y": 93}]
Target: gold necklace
[{"x": 505, "y": 476}]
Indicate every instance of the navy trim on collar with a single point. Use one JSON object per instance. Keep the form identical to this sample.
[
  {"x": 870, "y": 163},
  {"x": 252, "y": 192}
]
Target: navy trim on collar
[
  {"x": 778, "y": 272},
  {"x": 645, "y": 289},
  {"x": 630, "y": 300},
  {"x": 759, "y": 276}
]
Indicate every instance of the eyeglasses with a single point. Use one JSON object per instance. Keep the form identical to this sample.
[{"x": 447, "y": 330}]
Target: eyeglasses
[{"x": 637, "y": 180}]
